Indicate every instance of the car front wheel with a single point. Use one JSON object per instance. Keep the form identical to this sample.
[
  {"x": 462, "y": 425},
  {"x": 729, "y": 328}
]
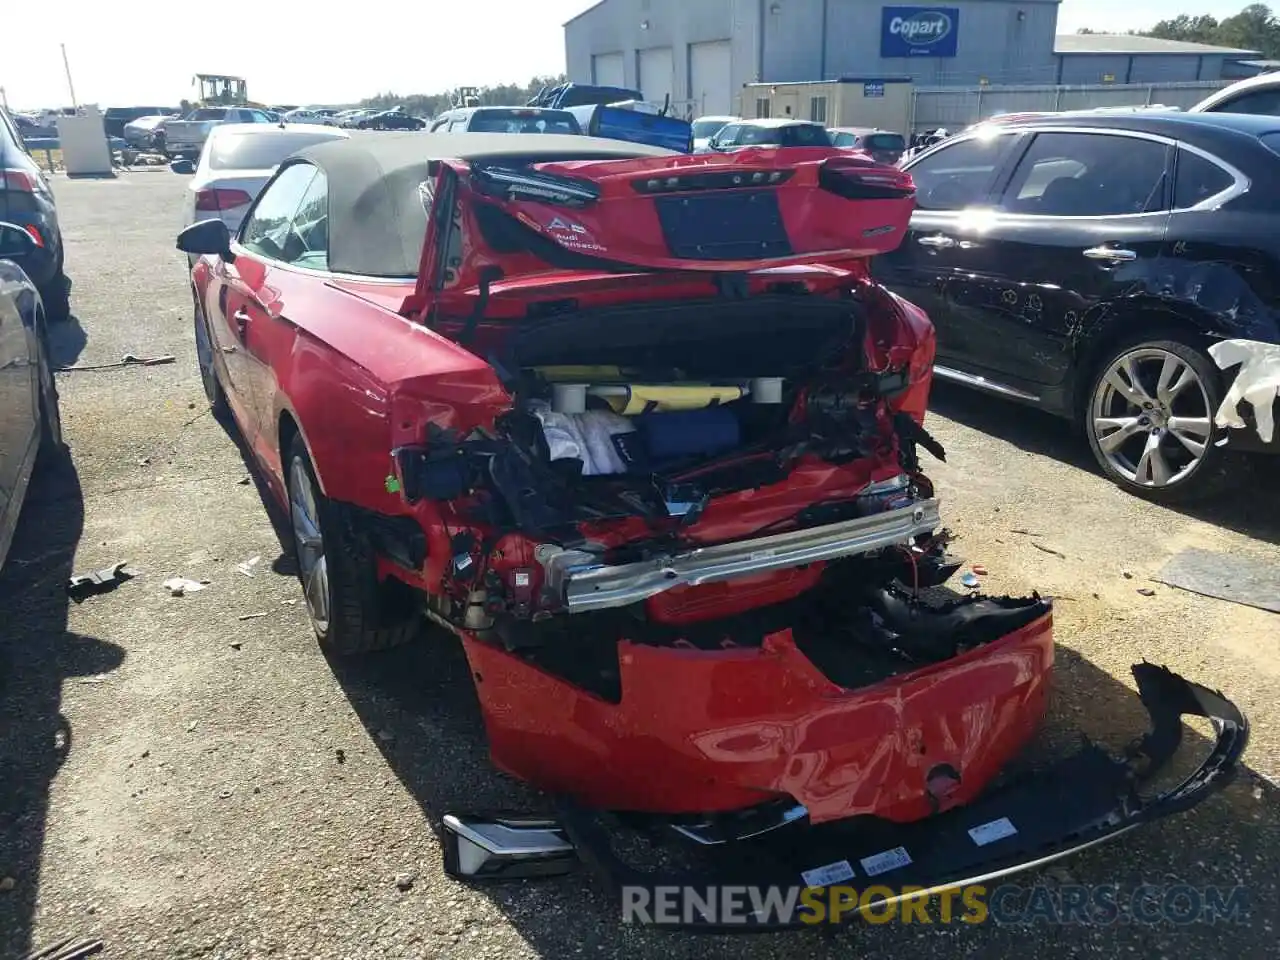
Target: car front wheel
[
  {"x": 1150, "y": 424},
  {"x": 56, "y": 296},
  {"x": 208, "y": 375},
  {"x": 351, "y": 611},
  {"x": 51, "y": 444}
]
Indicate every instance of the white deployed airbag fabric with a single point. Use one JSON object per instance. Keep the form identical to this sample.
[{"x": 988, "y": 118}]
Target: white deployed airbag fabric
[
  {"x": 584, "y": 436},
  {"x": 1258, "y": 382}
]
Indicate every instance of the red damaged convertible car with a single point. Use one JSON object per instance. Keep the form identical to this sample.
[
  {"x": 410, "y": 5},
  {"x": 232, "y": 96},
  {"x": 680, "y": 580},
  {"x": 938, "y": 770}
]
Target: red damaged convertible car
[{"x": 638, "y": 428}]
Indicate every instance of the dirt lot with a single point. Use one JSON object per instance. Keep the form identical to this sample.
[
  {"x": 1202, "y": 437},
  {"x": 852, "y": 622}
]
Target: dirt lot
[{"x": 169, "y": 770}]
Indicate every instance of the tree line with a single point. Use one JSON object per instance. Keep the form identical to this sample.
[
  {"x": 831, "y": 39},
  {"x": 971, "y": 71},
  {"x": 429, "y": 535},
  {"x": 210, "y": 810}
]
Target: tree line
[
  {"x": 1253, "y": 28},
  {"x": 430, "y": 104}
]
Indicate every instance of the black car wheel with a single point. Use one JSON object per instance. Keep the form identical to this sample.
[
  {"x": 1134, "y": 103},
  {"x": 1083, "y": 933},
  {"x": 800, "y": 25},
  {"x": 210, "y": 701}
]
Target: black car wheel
[
  {"x": 204, "y": 357},
  {"x": 350, "y": 610},
  {"x": 56, "y": 296},
  {"x": 51, "y": 444},
  {"x": 1150, "y": 421}
]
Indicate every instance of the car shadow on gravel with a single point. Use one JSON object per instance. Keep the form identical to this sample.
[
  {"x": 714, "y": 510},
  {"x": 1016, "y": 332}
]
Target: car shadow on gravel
[
  {"x": 67, "y": 341},
  {"x": 38, "y": 656},
  {"x": 1249, "y": 510}
]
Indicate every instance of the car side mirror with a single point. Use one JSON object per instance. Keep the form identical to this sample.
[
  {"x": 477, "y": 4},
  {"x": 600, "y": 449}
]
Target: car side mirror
[
  {"x": 14, "y": 241},
  {"x": 207, "y": 237},
  {"x": 184, "y": 167}
]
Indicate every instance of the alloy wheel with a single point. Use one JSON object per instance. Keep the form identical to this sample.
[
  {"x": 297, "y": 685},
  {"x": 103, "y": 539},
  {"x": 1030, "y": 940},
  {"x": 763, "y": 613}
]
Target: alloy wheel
[
  {"x": 1151, "y": 418},
  {"x": 308, "y": 541}
]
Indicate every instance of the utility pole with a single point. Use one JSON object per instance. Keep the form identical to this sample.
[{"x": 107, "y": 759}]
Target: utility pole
[{"x": 67, "y": 66}]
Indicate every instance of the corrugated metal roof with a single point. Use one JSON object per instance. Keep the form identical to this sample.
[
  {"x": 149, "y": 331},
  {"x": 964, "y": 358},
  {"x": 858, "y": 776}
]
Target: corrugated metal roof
[{"x": 1127, "y": 44}]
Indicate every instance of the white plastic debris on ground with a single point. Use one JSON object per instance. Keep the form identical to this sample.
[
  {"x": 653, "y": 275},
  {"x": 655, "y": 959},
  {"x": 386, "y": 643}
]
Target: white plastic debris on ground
[
  {"x": 584, "y": 436},
  {"x": 180, "y": 586},
  {"x": 1258, "y": 382}
]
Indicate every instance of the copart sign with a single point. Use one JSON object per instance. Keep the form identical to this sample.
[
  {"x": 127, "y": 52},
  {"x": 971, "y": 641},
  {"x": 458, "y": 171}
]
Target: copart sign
[{"x": 919, "y": 31}]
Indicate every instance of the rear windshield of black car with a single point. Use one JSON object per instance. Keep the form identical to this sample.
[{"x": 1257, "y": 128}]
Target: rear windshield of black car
[
  {"x": 892, "y": 142},
  {"x": 523, "y": 121}
]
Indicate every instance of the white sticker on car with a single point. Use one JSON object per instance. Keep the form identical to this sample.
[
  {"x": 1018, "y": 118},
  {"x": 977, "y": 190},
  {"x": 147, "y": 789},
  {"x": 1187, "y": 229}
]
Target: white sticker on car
[
  {"x": 825, "y": 876},
  {"x": 986, "y": 833},
  {"x": 884, "y": 862}
]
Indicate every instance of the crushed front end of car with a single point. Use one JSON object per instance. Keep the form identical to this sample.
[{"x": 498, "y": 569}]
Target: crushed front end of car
[{"x": 680, "y": 522}]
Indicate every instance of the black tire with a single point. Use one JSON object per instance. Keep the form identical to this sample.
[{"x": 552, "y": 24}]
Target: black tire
[
  {"x": 56, "y": 297},
  {"x": 1200, "y": 477},
  {"x": 52, "y": 447},
  {"x": 204, "y": 360},
  {"x": 363, "y": 615}
]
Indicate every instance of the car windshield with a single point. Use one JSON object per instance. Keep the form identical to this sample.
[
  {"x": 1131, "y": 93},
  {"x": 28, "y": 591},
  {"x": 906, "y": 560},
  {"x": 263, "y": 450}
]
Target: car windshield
[
  {"x": 706, "y": 129},
  {"x": 523, "y": 121},
  {"x": 212, "y": 113},
  {"x": 259, "y": 151},
  {"x": 889, "y": 142}
]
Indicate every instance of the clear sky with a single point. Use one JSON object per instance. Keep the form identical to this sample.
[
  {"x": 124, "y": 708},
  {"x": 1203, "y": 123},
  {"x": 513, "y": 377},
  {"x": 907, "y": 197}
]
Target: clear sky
[{"x": 291, "y": 52}]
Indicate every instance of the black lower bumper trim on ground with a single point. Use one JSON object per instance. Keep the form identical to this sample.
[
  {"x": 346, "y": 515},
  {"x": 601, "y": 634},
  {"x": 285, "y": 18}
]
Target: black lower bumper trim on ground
[{"x": 1086, "y": 799}]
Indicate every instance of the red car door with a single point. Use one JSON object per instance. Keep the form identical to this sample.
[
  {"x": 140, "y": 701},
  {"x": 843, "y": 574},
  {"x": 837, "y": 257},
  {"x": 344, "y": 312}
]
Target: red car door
[
  {"x": 247, "y": 300},
  {"x": 223, "y": 306}
]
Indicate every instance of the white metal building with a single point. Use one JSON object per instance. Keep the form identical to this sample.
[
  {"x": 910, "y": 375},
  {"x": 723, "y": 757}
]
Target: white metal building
[{"x": 701, "y": 52}]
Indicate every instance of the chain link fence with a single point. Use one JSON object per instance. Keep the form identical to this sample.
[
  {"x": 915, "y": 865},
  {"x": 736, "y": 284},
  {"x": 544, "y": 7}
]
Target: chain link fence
[{"x": 957, "y": 107}]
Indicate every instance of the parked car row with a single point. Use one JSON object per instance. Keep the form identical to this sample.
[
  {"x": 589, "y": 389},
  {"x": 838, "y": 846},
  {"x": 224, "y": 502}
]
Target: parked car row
[{"x": 720, "y": 134}]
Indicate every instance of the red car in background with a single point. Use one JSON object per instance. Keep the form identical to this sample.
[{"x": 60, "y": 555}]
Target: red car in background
[{"x": 639, "y": 429}]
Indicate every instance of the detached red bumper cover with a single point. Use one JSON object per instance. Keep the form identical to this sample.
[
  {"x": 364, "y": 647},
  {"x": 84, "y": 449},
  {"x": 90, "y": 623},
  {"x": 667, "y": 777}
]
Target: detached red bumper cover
[
  {"x": 1023, "y": 823},
  {"x": 698, "y": 731}
]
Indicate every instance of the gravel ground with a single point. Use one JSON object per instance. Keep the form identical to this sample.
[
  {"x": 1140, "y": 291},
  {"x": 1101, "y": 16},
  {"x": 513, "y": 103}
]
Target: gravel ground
[{"x": 170, "y": 779}]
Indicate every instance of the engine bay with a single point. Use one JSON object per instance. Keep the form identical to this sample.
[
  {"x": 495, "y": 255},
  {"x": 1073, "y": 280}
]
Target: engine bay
[{"x": 656, "y": 455}]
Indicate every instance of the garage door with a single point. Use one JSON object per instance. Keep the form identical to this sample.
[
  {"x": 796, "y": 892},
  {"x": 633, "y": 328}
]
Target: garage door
[
  {"x": 608, "y": 70},
  {"x": 657, "y": 74},
  {"x": 710, "y": 80}
]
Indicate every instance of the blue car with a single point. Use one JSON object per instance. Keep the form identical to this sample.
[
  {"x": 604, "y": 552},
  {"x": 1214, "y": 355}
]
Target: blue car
[{"x": 30, "y": 424}]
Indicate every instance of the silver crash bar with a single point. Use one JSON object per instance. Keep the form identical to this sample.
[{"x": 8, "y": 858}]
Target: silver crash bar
[{"x": 586, "y": 584}]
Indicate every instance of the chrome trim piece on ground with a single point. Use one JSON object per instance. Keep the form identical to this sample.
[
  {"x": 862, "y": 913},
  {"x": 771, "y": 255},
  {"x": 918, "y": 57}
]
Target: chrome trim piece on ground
[
  {"x": 506, "y": 848},
  {"x": 593, "y": 586}
]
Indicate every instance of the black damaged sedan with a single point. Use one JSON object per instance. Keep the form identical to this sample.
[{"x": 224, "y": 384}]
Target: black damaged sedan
[{"x": 1122, "y": 270}]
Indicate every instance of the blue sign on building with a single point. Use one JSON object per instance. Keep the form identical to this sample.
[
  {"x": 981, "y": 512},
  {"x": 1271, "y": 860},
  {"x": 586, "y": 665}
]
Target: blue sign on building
[
  {"x": 873, "y": 88},
  {"x": 919, "y": 31}
]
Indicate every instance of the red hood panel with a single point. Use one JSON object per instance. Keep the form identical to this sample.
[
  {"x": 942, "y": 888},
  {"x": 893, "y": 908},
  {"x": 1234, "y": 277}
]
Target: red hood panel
[{"x": 720, "y": 212}]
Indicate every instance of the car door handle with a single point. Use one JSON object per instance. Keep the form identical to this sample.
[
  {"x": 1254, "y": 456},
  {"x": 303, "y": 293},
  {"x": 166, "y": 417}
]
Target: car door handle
[
  {"x": 241, "y": 317},
  {"x": 1114, "y": 254},
  {"x": 938, "y": 241}
]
